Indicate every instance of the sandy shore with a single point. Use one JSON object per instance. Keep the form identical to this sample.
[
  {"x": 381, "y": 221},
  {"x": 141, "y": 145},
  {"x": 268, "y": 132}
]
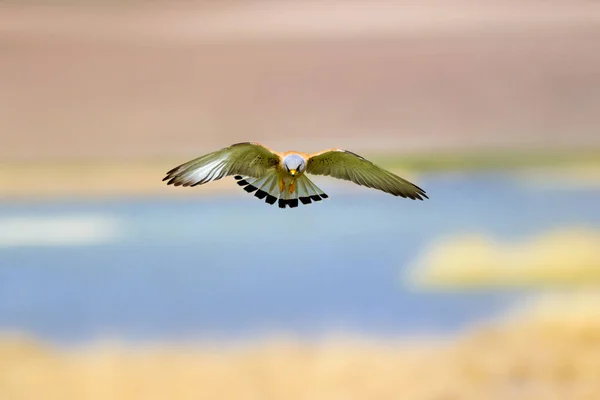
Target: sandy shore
[{"x": 547, "y": 357}]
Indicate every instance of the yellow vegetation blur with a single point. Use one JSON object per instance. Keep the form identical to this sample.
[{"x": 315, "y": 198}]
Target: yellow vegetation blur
[
  {"x": 563, "y": 257},
  {"x": 526, "y": 356}
]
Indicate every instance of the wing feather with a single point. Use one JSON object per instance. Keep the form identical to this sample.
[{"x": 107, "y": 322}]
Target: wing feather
[
  {"x": 349, "y": 166},
  {"x": 249, "y": 159}
]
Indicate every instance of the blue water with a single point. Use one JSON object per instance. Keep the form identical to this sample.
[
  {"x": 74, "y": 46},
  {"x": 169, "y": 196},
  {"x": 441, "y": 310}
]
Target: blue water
[{"x": 233, "y": 267}]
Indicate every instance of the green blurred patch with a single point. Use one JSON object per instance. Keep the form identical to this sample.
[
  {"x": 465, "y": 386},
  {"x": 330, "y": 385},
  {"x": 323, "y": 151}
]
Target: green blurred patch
[
  {"x": 120, "y": 176},
  {"x": 418, "y": 162},
  {"x": 490, "y": 160}
]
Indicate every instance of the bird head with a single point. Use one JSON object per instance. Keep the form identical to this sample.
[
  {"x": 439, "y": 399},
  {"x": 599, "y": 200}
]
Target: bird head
[{"x": 294, "y": 164}]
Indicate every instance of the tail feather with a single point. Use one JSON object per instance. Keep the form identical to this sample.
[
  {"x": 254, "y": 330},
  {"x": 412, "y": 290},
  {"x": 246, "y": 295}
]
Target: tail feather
[
  {"x": 262, "y": 186},
  {"x": 288, "y": 199},
  {"x": 303, "y": 191},
  {"x": 267, "y": 188},
  {"x": 314, "y": 193}
]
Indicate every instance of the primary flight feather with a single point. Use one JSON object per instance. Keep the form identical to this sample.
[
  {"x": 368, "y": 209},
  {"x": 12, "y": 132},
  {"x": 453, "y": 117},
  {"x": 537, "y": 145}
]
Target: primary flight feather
[{"x": 281, "y": 177}]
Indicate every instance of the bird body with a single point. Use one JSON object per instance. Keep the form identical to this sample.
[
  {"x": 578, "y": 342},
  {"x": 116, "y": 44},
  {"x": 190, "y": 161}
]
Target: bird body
[{"x": 281, "y": 177}]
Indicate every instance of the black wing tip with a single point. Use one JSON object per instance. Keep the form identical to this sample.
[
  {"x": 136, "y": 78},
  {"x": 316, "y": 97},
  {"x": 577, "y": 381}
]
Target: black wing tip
[
  {"x": 413, "y": 196},
  {"x": 171, "y": 177},
  {"x": 172, "y": 171},
  {"x": 173, "y": 181},
  {"x": 420, "y": 194}
]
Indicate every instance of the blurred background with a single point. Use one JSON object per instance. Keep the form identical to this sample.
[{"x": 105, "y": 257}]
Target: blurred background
[{"x": 115, "y": 286}]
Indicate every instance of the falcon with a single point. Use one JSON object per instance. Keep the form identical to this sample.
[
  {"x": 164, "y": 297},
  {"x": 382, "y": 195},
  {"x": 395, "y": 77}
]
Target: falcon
[{"x": 281, "y": 177}]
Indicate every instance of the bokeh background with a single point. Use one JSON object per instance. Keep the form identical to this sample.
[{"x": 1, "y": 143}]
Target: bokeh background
[{"x": 115, "y": 286}]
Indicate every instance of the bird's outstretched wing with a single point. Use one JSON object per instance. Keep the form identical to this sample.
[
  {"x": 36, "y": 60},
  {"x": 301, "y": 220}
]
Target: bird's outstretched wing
[
  {"x": 249, "y": 159},
  {"x": 343, "y": 164}
]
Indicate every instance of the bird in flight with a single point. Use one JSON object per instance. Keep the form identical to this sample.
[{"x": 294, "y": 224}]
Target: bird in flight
[{"x": 281, "y": 177}]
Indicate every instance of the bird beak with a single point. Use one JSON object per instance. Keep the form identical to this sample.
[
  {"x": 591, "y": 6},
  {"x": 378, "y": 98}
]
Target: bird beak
[{"x": 293, "y": 172}]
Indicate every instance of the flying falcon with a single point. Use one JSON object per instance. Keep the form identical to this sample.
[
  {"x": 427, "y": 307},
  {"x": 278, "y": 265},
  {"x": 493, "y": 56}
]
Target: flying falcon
[{"x": 281, "y": 177}]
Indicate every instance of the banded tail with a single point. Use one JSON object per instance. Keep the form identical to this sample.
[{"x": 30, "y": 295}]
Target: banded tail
[{"x": 267, "y": 188}]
